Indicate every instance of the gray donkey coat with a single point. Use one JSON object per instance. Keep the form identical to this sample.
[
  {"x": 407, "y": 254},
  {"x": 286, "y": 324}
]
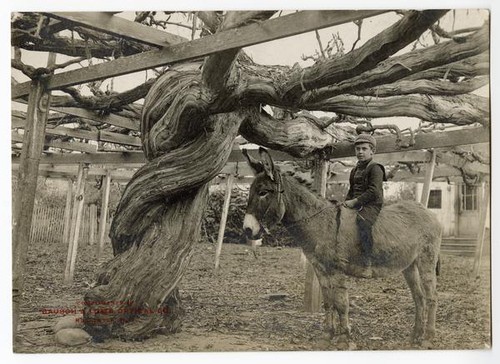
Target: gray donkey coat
[{"x": 406, "y": 238}]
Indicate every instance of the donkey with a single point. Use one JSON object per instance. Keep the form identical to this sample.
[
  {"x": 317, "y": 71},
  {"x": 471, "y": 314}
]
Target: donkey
[{"x": 406, "y": 238}]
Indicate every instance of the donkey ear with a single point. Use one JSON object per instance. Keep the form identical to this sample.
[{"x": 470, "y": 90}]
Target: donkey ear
[
  {"x": 268, "y": 163},
  {"x": 254, "y": 164}
]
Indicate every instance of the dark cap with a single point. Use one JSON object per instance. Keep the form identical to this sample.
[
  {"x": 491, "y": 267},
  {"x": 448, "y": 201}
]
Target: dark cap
[{"x": 365, "y": 138}]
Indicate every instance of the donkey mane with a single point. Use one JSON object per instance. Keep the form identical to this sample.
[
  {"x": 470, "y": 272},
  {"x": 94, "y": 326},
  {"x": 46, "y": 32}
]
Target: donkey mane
[{"x": 332, "y": 233}]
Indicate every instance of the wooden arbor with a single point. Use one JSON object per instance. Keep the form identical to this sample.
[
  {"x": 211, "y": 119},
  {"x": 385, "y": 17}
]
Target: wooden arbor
[{"x": 225, "y": 43}]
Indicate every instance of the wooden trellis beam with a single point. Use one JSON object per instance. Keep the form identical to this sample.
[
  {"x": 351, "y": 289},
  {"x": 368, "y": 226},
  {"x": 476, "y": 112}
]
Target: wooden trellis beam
[
  {"x": 119, "y": 27},
  {"x": 132, "y": 157},
  {"x": 386, "y": 148},
  {"x": 75, "y": 146},
  {"x": 441, "y": 171},
  {"x": 387, "y": 144},
  {"x": 285, "y": 26},
  {"x": 98, "y": 136},
  {"x": 111, "y": 119},
  {"x": 65, "y": 171}
]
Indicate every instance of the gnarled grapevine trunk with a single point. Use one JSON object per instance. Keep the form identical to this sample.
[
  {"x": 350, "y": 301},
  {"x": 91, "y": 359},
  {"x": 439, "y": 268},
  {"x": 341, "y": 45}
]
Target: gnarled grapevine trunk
[
  {"x": 145, "y": 276},
  {"x": 159, "y": 215},
  {"x": 156, "y": 224}
]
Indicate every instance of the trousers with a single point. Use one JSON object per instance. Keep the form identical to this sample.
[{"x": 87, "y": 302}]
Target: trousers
[{"x": 365, "y": 219}]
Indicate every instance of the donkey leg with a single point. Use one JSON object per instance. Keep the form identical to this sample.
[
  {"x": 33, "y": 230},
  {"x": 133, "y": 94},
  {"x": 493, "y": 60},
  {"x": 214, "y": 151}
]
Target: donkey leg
[
  {"x": 327, "y": 290},
  {"x": 412, "y": 277},
  {"x": 427, "y": 267},
  {"x": 341, "y": 304}
]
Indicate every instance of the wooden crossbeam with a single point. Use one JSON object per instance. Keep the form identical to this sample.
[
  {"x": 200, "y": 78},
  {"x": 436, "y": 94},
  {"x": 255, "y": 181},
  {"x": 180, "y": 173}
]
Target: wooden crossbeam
[
  {"x": 272, "y": 29},
  {"x": 72, "y": 171},
  {"x": 136, "y": 157},
  {"x": 242, "y": 169},
  {"x": 73, "y": 133},
  {"x": 111, "y": 119},
  {"x": 119, "y": 27},
  {"x": 131, "y": 157},
  {"x": 75, "y": 146},
  {"x": 458, "y": 161},
  {"x": 450, "y": 138},
  {"x": 97, "y": 136},
  {"x": 442, "y": 171},
  {"x": 116, "y": 138},
  {"x": 404, "y": 156},
  {"x": 422, "y": 156},
  {"x": 387, "y": 144}
]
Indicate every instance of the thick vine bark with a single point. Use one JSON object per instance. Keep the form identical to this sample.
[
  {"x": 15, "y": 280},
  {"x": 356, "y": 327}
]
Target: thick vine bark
[
  {"x": 458, "y": 109},
  {"x": 402, "y": 66},
  {"x": 145, "y": 276},
  {"x": 159, "y": 215}
]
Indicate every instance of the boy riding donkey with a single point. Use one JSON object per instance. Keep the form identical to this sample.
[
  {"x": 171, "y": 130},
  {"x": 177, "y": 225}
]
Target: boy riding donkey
[{"x": 366, "y": 195}]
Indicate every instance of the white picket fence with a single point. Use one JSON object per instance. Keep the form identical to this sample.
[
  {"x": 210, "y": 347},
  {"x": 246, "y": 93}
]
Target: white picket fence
[{"x": 48, "y": 225}]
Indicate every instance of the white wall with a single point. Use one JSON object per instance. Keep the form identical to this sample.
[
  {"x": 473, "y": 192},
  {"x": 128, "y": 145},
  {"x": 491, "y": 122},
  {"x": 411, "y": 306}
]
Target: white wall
[{"x": 447, "y": 214}]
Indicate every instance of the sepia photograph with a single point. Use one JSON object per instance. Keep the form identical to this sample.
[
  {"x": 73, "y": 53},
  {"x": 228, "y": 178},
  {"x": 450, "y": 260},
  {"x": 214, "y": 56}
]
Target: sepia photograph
[{"x": 235, "y": 179}]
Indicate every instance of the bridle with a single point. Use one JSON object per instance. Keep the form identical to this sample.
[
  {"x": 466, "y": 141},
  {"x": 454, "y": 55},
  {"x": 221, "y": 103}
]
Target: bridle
[{"x": 280, "y": 191}]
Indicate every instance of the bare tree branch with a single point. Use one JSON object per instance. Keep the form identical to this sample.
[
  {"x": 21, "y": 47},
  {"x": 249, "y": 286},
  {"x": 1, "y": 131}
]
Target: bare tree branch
[
  {"x": 107, "y": 102},
  {"x": 436, "y": 87},
  {"x": 377, "y": 49},
  {"x": 468, "y": 68},
  {"x": 406, "y": 64},
  {"x": 457, "y": 110}
]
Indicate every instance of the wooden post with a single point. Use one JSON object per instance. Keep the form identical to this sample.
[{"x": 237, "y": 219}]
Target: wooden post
[
  {"x": 429, "y": 173},
  {"x": 104, "y": 212},
  {"x": 33, "y": 141},
  {"x": 67, "y": 212},
  {"x": 312, "y": 291},
  {"x": 222, "y": 226},
  {"x": 72, "y": 223},
  {"x": 79, "y": 203},
  {"x": 482, "y": 228},
  {"x": 93, "y": 221}
]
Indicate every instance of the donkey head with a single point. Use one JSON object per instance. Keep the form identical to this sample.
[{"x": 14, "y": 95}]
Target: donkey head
[{"x": 265, "y": 201}]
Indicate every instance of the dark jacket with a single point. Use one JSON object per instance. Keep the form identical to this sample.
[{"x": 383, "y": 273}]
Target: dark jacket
[{"x": 372, "y": 190}]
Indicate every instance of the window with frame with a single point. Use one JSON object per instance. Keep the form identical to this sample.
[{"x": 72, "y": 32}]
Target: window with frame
[
  {"x": 435, "y": 199},
  {"x": 468, "y": 198}
]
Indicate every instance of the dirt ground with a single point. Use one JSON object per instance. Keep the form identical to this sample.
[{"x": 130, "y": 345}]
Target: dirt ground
[{"x": 231, "y": 310}]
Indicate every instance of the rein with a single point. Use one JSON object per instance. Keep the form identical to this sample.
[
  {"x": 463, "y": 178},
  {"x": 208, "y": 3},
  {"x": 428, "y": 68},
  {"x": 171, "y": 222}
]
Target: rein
[
  {"x": 337, "y": 219},
  {"x": 293, "y": 223},
  {"x": 313, "y": 215},
  {"x": 337, "y": 215}
]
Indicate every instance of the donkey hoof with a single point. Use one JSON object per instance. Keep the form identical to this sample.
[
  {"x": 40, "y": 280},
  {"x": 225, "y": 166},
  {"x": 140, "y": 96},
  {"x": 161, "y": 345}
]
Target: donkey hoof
[
  {"x": 327, "y": 335},
  {"x": 426, "y": 344},
  {"x": 345, "y": 344},
  {"x": 429, "y": 335},
  {"x": 352, "y": 346}
]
